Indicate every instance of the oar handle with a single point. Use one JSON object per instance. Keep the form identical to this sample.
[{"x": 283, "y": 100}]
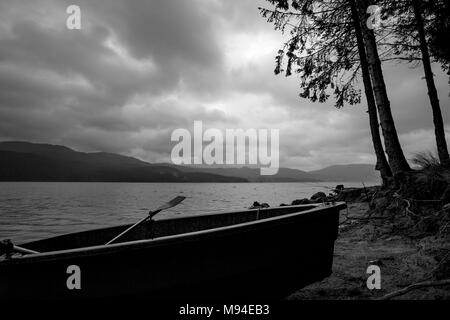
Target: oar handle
[
  {"x": 24, "y": 250},
  {"x": 127, "y": 230}
]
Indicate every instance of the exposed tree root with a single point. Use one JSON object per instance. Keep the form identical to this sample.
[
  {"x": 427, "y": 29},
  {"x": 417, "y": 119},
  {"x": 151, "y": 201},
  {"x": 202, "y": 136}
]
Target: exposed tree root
[{"x": 415, "y": 286}]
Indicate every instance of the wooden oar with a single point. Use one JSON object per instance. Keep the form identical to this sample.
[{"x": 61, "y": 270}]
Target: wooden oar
[
  {"x": 24, "y": 250},
  {"x": 151, "y": 214}
]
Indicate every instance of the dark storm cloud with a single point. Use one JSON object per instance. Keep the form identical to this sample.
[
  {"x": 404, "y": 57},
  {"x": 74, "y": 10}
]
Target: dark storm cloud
[
  {"x": 139, "y": 69},
  {"x": 178, "y": 36},
  {"x": 56, "y": 82},
  {"x": 409, "y": 96}
]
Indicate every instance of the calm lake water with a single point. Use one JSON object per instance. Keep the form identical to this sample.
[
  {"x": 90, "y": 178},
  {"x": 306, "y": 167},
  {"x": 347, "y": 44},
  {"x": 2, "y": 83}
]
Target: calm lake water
[{"x": 35, "y": 210}]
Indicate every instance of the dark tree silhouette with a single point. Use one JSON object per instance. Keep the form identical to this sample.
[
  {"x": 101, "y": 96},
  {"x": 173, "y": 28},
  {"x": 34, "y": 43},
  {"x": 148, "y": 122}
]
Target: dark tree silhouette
[
  {"x": 432, "y": 92},
  {"x": 439, "y": 31},
  {"x": 320, "y": 31},
  {"x": 394, "y": 150},
  {"x": 382, "y": 163},
  {"x": 412, "y": 24}
]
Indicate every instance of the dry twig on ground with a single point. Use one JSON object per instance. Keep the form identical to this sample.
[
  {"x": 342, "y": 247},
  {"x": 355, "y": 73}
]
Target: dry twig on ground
[{"x": 415, "y": 286}]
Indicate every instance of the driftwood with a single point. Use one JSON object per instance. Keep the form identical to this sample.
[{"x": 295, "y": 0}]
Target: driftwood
[{"x": 415, "y": 286}]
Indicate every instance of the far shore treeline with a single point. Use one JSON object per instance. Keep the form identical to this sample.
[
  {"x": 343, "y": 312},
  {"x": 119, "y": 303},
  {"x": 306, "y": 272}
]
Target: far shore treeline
[{"x": 24, "y": 161}]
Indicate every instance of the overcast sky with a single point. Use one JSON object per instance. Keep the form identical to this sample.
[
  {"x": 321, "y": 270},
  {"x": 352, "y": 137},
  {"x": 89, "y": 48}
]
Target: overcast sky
[{"x": 139, "y": 69}]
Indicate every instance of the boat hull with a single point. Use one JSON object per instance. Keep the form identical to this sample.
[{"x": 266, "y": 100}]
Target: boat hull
[{"x": 268, "y": 258}]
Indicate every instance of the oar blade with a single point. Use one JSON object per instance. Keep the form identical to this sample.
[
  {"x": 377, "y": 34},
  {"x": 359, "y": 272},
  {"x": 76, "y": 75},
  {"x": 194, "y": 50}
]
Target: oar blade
[
  {"x": 172, "y": 203},
  {"x": 151, "y": 214}
]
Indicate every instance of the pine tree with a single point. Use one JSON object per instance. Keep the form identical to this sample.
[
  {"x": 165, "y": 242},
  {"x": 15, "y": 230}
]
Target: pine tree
[{"x": 324, "y": 50}]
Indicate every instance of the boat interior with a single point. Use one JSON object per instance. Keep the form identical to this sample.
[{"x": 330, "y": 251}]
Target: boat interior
[{"x": 160, "y": 228}]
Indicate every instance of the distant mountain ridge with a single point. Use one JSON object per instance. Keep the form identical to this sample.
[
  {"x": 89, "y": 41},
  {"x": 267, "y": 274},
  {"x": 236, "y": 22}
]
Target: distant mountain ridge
[
  {"x": 25, "y": 161},
  {"x": 65, "y": 153},
  {"x": 349, "y": 172}
]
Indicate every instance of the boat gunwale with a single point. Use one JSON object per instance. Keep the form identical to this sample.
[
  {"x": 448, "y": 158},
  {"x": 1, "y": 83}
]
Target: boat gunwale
[{"x": 140, "y": 244}]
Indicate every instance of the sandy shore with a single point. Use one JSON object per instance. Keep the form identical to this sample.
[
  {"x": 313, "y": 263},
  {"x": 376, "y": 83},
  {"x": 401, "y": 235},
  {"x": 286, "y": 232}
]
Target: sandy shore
[{"x": 403, "y": 261}]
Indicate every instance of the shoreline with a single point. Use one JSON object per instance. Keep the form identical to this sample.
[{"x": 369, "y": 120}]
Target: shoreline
[{"x": 403, "y": 261}]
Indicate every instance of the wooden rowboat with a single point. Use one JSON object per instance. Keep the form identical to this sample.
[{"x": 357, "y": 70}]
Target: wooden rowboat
[{"x": 266, "y": 253}]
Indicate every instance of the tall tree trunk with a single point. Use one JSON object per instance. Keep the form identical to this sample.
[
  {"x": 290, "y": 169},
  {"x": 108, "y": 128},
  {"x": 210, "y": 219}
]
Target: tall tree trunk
[
  {"x": 394, "y": 150},
  {"x": 432, "y": 92},
  {"x": 382, "y": 163}
]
